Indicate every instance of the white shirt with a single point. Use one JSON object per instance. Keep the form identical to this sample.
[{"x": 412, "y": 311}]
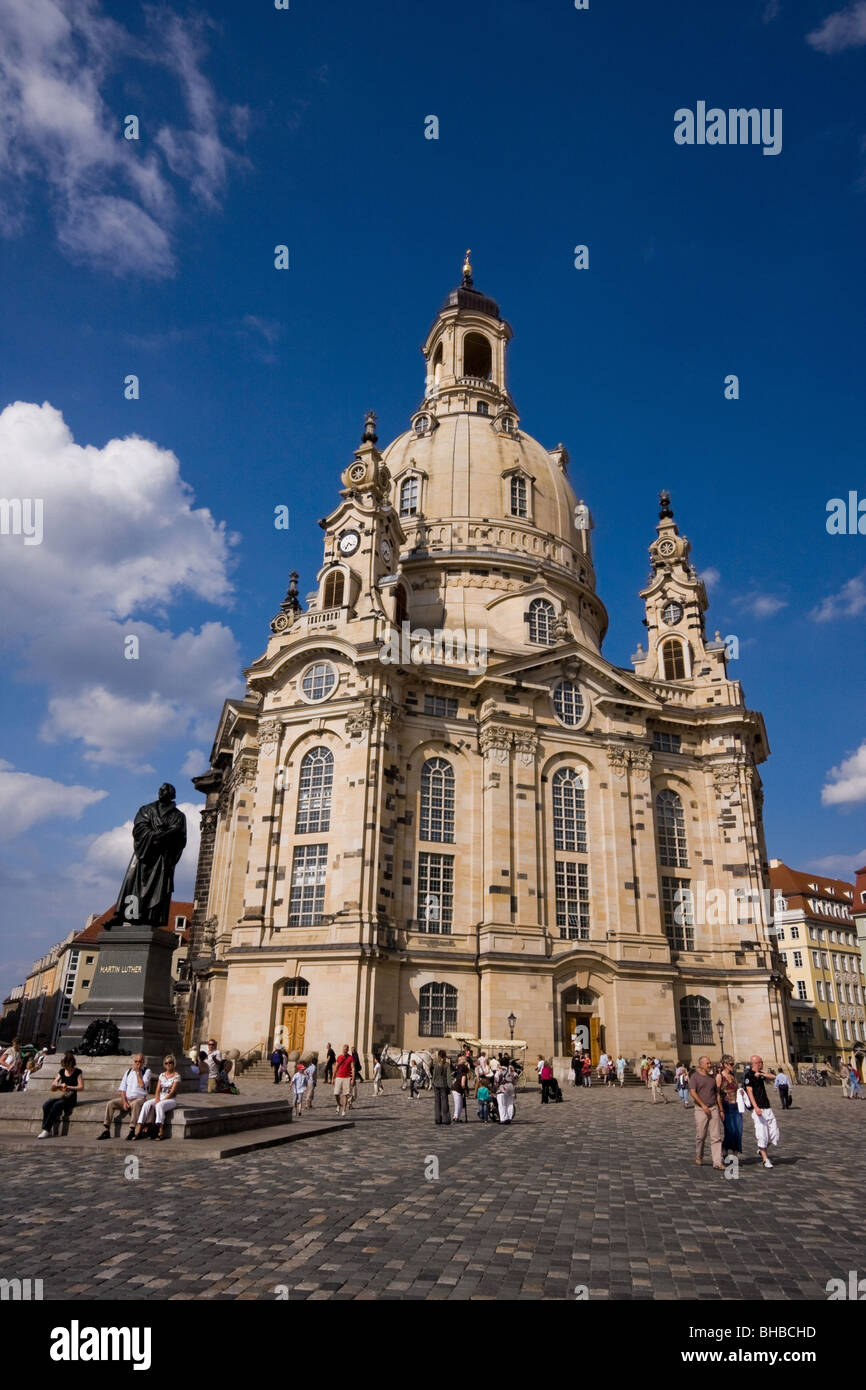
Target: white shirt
[
  {"x": 299, "y": 1082},
  {"x": 213, "y": 1060},
  {"x": 165, "y": 1083},
  {"x": 655, "y": 1074},
  {"x": 129, "y": 1085}
]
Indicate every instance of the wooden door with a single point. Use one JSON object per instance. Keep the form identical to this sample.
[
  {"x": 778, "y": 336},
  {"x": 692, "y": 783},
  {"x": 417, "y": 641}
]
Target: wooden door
[
  {"x": 294, "y": 1026},
  {"x": 595, "y": 1040}
]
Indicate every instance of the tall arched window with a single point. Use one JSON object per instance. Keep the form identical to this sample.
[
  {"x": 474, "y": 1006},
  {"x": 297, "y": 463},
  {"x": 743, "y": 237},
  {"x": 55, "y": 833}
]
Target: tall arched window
[
  {"x": 518, "y": 496},
  {"x": 673, "y": 660},
  {"x": 436, "y": 821},
  {"x": 569, "y": 811},
  {"x": 541, "y": 615},
  {"x": 696, "y": 1020},
  {"x": 437, "y": 1010},
  {"x": 409, "y": 497},
  {"x": 333, "y": 592},
  {"x": 671, "y": 830},
  {"x": 314, "y": 792},
  {"x": 477, "y": 357}
]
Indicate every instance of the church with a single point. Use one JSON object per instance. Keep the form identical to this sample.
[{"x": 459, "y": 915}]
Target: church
[{"x": 407, "y": 839}]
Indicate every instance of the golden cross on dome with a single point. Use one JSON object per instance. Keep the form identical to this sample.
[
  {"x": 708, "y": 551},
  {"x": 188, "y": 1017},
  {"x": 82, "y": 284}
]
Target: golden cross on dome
[{"x": 467, "y": 269}]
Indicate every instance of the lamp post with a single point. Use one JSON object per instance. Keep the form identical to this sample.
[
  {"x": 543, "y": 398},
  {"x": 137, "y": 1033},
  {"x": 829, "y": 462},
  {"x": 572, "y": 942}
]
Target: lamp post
[
  {"x": 512, "y": 1024},
  {"x": 721, "y": 1031}
]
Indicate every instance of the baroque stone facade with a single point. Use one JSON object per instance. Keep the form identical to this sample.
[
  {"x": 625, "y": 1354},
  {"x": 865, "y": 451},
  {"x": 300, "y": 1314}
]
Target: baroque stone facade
[{"x": 396, "y": 851}]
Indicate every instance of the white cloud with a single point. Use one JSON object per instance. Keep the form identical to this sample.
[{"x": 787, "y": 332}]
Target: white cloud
[
  {"x": 839, "y": 865},
  {"x": 844, "y": 29},
  {"x": 847, "y": 782},
  {"x": 113, "y": 200},
  {"x": 26, "y": 799},
  {"x": 121, "y": 534},
  {"x": 711, "y": 577},
  {"x": 194, "y": 763},
  {"x": 850, "y": 602},
  {"x": 108, "y": 854},
  {"x": 760, "y": 605}
]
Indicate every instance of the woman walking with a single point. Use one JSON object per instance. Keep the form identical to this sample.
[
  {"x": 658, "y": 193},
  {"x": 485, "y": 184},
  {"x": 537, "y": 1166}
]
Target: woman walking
[
  {"x": 732, "y": 1143},
  {"x": 69, "y": 1081},
  {"x": 586, "y": 1070},
  {"x": 505, "y": 1094},
  {"x": 158, "y": 1106}
]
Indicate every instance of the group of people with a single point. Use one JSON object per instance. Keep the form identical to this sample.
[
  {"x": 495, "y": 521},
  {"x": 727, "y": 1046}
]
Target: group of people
[
  {"x": 608, "y": 1071},
  {"x": 18, "y": 1064},
  {"x": 721, "y": 1099},
  {"x": 494, "y": 1090}
]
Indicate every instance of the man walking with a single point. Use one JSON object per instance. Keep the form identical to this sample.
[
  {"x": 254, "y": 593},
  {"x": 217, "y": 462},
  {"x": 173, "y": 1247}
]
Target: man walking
[
  {"x": 783, "y": 1086},
  {"x": 277, "y": 1064},
  {"x": 765, "y": 1122},
  {"x": 656, "y": 1081},
  {"x": 344, "y": 1069},
  {"x": 441, "y": 1086},
  {"x": 133, "y": 1093},
  {"x": 620, "y": 1069},
  {"x": 330, "y": 1059},
  {"x": 709, "y": 1116}
]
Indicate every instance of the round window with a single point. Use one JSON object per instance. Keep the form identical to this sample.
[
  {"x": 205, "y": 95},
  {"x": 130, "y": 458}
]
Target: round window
[
  {"x": 568, "y": 703},
  {"x": 318, "y": 682}
]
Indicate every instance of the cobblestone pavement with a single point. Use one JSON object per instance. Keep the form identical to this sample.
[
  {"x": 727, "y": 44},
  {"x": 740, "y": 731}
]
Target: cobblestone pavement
[{"x": 600, "y": 1191}]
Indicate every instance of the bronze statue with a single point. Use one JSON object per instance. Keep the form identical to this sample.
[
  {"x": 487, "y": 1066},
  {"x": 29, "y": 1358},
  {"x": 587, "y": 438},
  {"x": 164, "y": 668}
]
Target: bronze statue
[{"x": 159, "y": 836}]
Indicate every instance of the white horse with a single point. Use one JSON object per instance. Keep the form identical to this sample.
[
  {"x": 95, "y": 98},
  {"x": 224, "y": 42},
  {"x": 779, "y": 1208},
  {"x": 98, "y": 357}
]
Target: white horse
[{"x": 406, "y": 1060}]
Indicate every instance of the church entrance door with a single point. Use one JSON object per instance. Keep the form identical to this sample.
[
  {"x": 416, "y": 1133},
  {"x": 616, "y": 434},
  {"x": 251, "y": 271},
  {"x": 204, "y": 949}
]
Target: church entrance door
[{"x": 294, "y": 1026}]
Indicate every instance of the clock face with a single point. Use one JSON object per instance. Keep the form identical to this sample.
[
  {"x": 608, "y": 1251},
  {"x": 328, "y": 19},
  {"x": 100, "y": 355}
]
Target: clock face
[
  {"x": 666, "y": 547},
  {"x": 357, "y": 472},
  {"x": 349, "y": 542},
  {"x": 671, "y": 613},
  {"x": 386, "y": 552}
]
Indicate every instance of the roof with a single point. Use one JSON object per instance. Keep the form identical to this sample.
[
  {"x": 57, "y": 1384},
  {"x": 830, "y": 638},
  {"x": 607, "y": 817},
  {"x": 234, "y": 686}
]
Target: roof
[
  {"x": 796, "y": 883},
  {"x": 93, "y": 931}
]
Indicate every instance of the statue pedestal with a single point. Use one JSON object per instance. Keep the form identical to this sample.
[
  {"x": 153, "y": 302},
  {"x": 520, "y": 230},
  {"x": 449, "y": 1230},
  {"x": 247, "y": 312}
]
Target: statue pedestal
[{"x": 132, "y": 987}]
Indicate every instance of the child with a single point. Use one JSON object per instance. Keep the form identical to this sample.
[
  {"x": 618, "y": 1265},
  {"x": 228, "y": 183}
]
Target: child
[
  {"x": 416, "y": 1076},
  {"x": 378, "y": 1088},
  {"x": 482, "y": 1095},
  {"x": 299, "y": 1086}
]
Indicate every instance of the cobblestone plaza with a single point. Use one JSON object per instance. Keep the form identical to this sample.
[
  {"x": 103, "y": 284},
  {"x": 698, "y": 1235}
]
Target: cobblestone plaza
[{"x": 599, "y": 1193}]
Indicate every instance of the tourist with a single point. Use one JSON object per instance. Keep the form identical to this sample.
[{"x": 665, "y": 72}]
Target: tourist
[
  {"x": 203, "y": 1075},
  {"x": 134, "y": 1090},
  {"x": 644, "y": 1069},
  {"x": 577, "y": 1069},
  {"x": 732, "y": 1142},
  {"x": 378, "y": 1088},
  {"x": 441, "y": 1088},
  {"x": 855, "y": 1090},
  {"x": 10, "y": 1066},
  {"x": 586, "y": 1071},
  {"x": 482, "y": 1095},
  {"x": 505, "y": 1094},
  {"x": 158, "y": 1106},
  {"x": 212, "y": 1060},
  {"x": 681, "y": 1082},
  {"x": 299, "y": 1086},
  {"x": 344, "y": 1068},
  {"x": 546, "y": 1077},
  {"x": 602, "y": 1068},
  {"x": 765, "y": 1122},
  {"x": 359, "y": 1070},
  {"x": 312, "y": 1080},
  {"x": 783, "y": 1086},
  {"x": 538, "y": 1066},
  {"x": 330, "y": 1059},
  {"x": 655, "y": 1076},
  {"x": 620, "y": 1069},
  {"x": 709, "y": 1116},
  {"x": 458, "y": 1092},
  {"x": 277, "y": 1064},
  {"x": 69, "y": 1081}
]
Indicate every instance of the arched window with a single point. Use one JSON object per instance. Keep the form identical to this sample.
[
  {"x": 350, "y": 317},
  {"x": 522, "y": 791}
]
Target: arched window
[
  {"x": 482, "y": 408},
  {"x": 477, "y": 357},
  {"x": 673, "y": 660},
  {"x": 541, "y": 615},
  {"x": 569, "y": 811},
  {"x": 401, "y": 609},
  {"x": 409, "y": 497},
  {"x": 696, "y": 1021},
  {"x": 671, "y": 830},
  {"x": 314, "y": 792},
  {"x": 436, "y": 821},
  {"x": 298, "y": 986},
  {"x": 518, "y": 496},
  {"x": 437, "y": 1010},
  {"x": 334, "y": 586}
]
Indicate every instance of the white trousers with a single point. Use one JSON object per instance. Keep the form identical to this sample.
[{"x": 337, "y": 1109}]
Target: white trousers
[
  {"x": 766, "y": 1128},
  {"x": 506, "y": 1106},
  {"x": 160, "y": 1106},
  {"x": 457, "y": 1103}
]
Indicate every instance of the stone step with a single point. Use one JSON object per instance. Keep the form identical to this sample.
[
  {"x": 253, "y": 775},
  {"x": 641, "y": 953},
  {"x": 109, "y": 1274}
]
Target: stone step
[{"x": 227, "y": 1146}]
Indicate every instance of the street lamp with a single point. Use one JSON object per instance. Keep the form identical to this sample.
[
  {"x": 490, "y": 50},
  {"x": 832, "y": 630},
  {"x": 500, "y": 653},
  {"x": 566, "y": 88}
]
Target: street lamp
[
  {"x": 512, "y": 1024},
  {"x": 721, "y": 1031}
]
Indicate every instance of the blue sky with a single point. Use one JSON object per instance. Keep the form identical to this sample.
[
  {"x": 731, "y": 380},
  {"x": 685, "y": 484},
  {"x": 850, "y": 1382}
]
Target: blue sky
[{"x": 306, "y": 127}]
